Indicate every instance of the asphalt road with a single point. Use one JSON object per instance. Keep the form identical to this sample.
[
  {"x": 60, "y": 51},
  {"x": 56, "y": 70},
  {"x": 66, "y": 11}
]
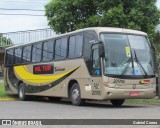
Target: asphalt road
[
  {"x": 38, "y": 109},
  {"x": 43, "y": 109}
]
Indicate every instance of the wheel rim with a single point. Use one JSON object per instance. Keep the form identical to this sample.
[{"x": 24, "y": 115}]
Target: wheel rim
[
  {"x": 21, "y": 92},
  {"x": 75, "y": 95}
]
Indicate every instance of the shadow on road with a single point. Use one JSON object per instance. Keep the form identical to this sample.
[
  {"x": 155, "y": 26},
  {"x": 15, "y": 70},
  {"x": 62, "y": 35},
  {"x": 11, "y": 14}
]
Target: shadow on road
[{"x": 95, "y": 104}]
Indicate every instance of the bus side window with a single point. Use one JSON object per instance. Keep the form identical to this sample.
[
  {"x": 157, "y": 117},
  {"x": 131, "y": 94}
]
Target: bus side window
[
  {"x": 9, "y": 57},
  {"x": 17, "y": 55},
  {"x": 61, "y": 48},
  {"x": 48, "y": 50},
  {"x": 96, "y": 70},
  {"x": 37, "y": 52},
  {"x": 26, "y": 56},
  {"x": 75, "y": 46}
]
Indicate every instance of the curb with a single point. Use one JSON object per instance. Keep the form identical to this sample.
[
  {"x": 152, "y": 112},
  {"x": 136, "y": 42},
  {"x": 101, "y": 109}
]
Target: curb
[
  {"x": 8, "y": 99},
  {"x": 157, "y": 97}
]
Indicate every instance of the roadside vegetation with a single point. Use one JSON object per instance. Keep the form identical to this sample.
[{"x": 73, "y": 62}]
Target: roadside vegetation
[
  {"x": 3, "y": 94},
  {"x": 155, "y": 101},
  {"x": 133, "y": 14}
]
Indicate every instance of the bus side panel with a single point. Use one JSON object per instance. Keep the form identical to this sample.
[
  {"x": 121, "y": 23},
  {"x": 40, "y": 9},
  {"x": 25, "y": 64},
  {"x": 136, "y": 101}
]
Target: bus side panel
[
  {"x": 6, "y": 85},
  {"x": 44, "y": 83},
  {"x": 90, "y": 87},
  {"x": 11, "y": 81}
]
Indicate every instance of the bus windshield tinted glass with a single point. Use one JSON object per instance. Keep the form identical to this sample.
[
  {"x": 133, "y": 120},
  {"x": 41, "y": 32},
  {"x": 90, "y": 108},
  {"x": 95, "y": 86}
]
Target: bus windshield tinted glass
[{"x": 127, "y": 55}]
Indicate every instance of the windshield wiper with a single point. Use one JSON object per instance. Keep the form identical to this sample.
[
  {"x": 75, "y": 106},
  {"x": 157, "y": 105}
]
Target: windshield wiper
[
  {"x": 127, "y": 66},
  {"x": 138, "y": 62}
]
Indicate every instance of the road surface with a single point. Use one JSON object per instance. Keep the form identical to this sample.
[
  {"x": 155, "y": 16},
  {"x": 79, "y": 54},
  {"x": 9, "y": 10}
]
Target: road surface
[{"x": 43, "y": 109}]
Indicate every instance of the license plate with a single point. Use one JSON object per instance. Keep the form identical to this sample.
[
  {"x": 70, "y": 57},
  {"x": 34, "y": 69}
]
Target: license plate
[{"x": 134, "y": 93}]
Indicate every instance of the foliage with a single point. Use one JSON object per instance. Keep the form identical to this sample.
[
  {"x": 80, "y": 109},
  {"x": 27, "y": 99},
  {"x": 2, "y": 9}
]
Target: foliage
[
  {"x": 5, "y": 41},
  {"x": 69, "y": 15},
  {"x": 3, "y": 93},
  {"x": 154, "y": 101},
  {"x": 156, "y": 43}
]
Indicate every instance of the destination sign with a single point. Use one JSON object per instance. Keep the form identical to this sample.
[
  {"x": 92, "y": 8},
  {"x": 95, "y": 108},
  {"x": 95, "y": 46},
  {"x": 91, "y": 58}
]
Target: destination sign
[{"x": 43, "y": 69}]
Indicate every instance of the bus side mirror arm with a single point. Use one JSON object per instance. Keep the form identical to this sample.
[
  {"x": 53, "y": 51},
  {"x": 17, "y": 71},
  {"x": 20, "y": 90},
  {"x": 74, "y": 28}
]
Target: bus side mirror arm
[{"x": 101, "y": 49}]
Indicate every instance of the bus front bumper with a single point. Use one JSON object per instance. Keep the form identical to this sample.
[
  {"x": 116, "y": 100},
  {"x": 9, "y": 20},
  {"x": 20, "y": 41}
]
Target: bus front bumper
[{"x": 113, "y": 93}]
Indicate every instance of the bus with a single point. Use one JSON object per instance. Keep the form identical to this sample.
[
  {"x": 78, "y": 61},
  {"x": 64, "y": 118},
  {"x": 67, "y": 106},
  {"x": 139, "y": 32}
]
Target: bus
[{"x": 97, "y": 63}]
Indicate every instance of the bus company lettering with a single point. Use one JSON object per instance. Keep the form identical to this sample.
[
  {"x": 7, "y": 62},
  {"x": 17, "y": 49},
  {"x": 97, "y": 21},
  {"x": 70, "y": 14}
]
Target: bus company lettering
[
  {"x": 42, "y": 69},
  {"x": 59, "y": 69},
  {"x": 119, "y": 81}
]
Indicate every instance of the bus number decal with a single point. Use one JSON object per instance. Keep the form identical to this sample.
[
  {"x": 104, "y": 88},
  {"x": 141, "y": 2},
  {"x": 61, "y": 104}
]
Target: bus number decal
[
  {"x": 96, "y": 92},
  {"x": 119, "y": 81}
]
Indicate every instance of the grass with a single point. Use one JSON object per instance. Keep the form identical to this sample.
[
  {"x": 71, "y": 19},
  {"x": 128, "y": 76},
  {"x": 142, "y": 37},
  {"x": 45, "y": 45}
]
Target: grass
[
  {"x": 154, "y": 101},
  {"x": 3, "y": 94}
]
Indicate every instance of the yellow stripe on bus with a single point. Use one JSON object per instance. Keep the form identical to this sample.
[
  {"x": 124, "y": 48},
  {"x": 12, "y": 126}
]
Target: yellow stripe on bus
[{"x": 28, "y": 77}]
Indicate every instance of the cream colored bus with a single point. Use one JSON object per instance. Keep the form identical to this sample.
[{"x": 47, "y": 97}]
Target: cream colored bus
[{"x": 98, "y": 63}]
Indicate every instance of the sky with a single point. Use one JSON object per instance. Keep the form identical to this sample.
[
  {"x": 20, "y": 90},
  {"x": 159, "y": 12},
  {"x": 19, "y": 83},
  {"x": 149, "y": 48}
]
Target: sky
[{"x": 13, "y": 23}]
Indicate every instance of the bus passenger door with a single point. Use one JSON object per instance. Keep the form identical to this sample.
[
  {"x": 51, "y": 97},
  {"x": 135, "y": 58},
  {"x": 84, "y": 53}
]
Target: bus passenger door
[
  {"x": 96, "y": 73},
  {"x": 96, "y": 66}
]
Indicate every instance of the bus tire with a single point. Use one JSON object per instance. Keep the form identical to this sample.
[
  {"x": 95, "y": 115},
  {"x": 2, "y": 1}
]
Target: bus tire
[
  {"x": 117, "y": 102},
  {"x": 75, "y": 95},
  {"x": 54, "y": 99},
  {"x": 21, "y": 92}
]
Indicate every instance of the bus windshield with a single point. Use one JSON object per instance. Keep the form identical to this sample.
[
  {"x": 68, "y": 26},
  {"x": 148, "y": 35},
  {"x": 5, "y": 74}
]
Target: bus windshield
[{"x": 127, "y": 54}]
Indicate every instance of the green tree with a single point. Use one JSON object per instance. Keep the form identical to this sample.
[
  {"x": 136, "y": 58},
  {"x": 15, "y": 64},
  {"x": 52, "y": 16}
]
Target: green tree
[
  {"x": 156, "y": 43},
  {"x": 68, "y": 15},
  {"x": 4, "y": 42}
]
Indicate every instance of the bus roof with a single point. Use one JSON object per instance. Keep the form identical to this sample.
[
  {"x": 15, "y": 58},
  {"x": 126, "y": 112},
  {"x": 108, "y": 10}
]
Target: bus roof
[{"x": 96, "y": 29}]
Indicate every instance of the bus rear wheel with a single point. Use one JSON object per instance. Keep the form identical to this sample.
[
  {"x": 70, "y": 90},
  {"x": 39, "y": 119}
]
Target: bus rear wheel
[
  {"x": 118, "y": 102},
  {"x": 21, "y": 92},
  {"x": 75, "y": 95}
]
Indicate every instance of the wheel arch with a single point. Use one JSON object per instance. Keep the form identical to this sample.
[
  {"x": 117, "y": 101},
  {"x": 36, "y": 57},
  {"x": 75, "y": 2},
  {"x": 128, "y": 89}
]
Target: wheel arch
[
  {"x": 70, "y": 84},
  {"x": 19, "y": 82}
]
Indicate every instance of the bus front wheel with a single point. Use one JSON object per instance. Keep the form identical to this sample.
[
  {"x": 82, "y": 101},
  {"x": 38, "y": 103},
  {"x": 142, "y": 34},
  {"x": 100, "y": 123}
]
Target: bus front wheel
[
  {"x": 21, "y": 92},
  {"x": 75, "y": 94},
  {"x": 117, "y": 102}
]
